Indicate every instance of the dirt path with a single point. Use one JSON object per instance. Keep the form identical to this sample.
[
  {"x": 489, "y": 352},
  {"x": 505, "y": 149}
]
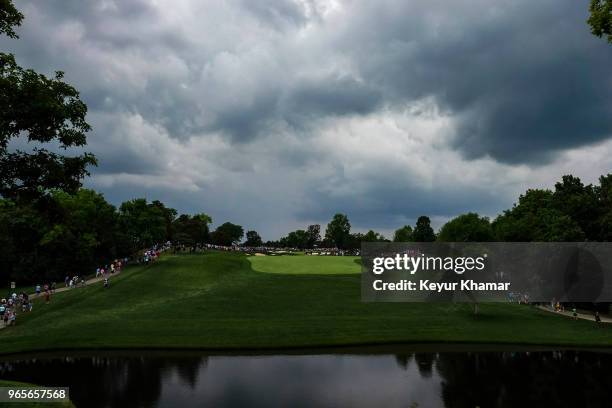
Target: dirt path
[
  {"x": 87, "y": 282},
  {"x": 59, "y": 290},
  {"x": 584, "y": 316}
]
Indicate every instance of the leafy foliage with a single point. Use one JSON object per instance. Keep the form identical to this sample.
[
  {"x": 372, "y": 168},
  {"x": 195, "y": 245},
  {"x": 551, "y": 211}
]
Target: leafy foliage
[
  {"x": 252, "y": 239},
  {"x": 191, "y": 230},
  {"x": 468, "y": 227},
  {"x": 314, "y": 235},
  {"x": 142, "y": 223},
  {"x": 572, "y": 212},
  {"x": 44, "y": 110},
  {"x": 74, "y": 233},
  {"x": 600, "y": 19},
  {"x": 338, "y": 231},
  {"x": 10, "y": 17},
  {"x": 373, "y": 236},
  {"x": 295, "y": 239},
  {"x": 423, "y": 231},
  {"x": 227, "y": 234},
  {"x": 403, "y": 234}
]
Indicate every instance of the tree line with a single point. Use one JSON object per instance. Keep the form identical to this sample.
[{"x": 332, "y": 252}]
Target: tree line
[
  {"x": 571, "y": 212},
  {"x": 63, "y": 232}
]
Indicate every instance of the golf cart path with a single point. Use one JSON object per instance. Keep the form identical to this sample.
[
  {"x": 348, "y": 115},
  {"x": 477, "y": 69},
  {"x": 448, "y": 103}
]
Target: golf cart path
[
  {"x": 87, "y": 282},
  {"x": 584, "y": 316},
  {"x": 64, "y": 289}
]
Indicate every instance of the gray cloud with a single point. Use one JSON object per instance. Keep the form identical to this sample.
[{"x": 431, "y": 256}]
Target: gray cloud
[
  {"x": 277, "y": 13},
  {"x": 311, "y": 99},
  {"x": 391, "y": 196},
  {"x": 518, "y": 77},
  {"x": 524, "y": 79}
]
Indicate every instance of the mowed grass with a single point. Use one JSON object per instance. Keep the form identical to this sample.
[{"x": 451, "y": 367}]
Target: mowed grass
[
  {"x": 217, "y": 301},
  {"x": 306, "y": 264}
]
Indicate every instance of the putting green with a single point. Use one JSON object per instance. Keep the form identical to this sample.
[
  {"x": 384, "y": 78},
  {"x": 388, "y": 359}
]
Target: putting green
[{"x": 306, "y": 264}]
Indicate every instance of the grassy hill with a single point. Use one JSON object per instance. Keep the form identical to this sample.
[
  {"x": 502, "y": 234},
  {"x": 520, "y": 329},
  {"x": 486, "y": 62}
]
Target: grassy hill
[{"x": 219, "y": 300}]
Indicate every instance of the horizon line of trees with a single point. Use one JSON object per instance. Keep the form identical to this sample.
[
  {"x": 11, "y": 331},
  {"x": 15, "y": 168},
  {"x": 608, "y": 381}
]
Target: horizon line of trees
[
  {"x": 571, "y": 212},
  {"x": 63, "y": 232}
]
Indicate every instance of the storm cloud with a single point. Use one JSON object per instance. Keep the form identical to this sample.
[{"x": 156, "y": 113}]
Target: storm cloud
[{"x": 277, "y": 113}]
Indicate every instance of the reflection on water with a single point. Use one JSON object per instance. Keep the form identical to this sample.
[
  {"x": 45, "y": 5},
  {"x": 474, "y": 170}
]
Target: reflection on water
[{"x": 454, "y": 379}]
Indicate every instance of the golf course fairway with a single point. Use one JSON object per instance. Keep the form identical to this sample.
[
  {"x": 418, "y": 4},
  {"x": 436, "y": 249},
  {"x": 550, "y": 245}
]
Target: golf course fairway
[{"x": 220, "y": 300}]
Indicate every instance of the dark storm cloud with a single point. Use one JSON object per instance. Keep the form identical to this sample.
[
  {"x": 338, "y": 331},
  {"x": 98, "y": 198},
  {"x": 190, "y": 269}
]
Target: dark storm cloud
[
  {"x": 97, "y": 10},
  {"x": 330, "y": 96},
  {"x": 300, "y": 107},
  {"x": 249, "y": 121},
  {"x": 524, "y": 79},
  {"x": 389, "y": 197},
  {"x": 112, "y": 24}
]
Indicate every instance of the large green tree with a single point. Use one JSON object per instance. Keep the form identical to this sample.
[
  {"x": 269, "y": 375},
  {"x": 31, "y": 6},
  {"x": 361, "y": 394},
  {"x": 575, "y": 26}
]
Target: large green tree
[
  {"x": 579, "y": 202},
  {"x": 468, "y": 227},
  {"x": 600, "y": 19},
  {"x": 536, "y": 218},
  {"x": 302, "y": 239},
  {"x": 21, "y": 230},
  {"x": 354, "y": 240},
  {"x": 76, "y": 233},
  {"x": 403, "y": 234},
  {"x": 40, "y": 110},
  {"x": 192, "y": 230},
  {"x": 296, "y": 239},
  {"x": 314, "y": 235},
  {"x": 10, "y": 18},
  {"x": 373, "y": 236},
  {"x": 423, "y": 231},
  {"x": 227, "y": 234},
  {"x": 37, "y": 218},
  {"x": 169, "y": 217},
  {"x": 143, "y": 223},
  {"x": 338, "y": 231},
  {"x": 84, "y": 236},
  {"x": 604, "y": 199},
  {"x": 253, "y": 239}
]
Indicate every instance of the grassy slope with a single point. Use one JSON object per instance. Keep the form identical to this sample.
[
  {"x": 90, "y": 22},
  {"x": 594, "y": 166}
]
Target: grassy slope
[{"x": 217, "y": 301}]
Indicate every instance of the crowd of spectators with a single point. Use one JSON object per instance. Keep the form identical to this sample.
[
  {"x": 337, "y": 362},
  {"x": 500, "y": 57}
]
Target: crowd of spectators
[
  {"x": 262, "y": 250},
  {"x": 16, "y": 303}
]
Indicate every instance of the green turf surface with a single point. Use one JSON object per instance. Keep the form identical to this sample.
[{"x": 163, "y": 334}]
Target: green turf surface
[
  {"x": 21, "y": 404},
  {"x": 306, "y": 264},
  {"x": 216, "y": 300}
]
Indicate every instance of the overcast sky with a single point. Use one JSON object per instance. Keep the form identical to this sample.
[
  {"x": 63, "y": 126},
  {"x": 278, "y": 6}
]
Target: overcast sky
[{"x": 279, "y": 113}]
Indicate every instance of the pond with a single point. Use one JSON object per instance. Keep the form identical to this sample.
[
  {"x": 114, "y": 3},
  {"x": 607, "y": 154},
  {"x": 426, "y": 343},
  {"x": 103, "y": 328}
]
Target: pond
[{"x": 562, "y": 378}]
